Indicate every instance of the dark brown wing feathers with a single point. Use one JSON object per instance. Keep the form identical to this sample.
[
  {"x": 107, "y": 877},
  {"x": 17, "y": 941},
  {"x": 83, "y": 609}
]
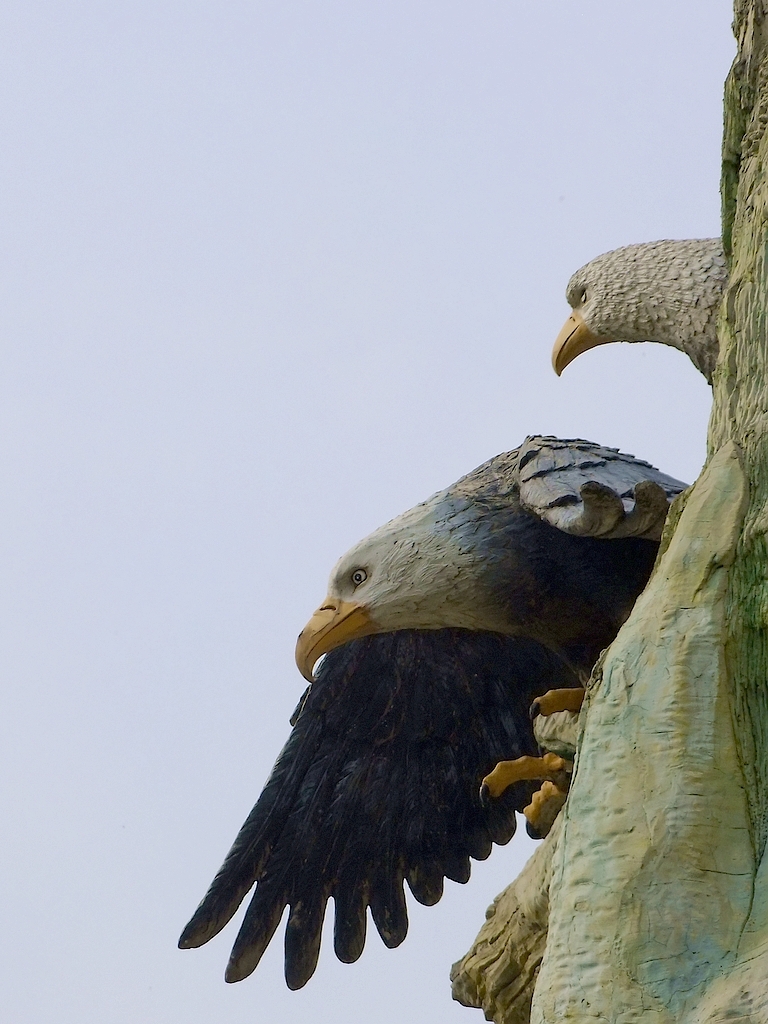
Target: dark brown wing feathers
[{"x": 376, "y": 786}]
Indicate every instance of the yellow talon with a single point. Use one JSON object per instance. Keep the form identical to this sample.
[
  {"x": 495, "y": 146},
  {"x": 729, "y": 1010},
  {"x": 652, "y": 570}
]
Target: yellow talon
[
  {"x": 550, "y": 766},
  {"x": 546, "y": 803},
  {"x": 569, "y": 699}
]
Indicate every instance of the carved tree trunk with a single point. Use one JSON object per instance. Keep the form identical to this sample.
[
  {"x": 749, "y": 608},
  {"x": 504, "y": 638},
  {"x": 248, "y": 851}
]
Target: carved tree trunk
[{"x": 659, "y": 891}]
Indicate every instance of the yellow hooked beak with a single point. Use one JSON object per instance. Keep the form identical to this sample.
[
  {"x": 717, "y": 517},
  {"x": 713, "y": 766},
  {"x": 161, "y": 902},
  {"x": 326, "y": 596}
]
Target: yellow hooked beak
[
  {"x": 574, "y": 338},
  {"x": 332, "y": 625}
]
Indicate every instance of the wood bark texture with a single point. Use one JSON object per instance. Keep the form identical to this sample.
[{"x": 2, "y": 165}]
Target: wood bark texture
[
  {"x": 658, "y": 898},
  {"x": 497, "y": 975},
  {"x": 653, "y": 876}
]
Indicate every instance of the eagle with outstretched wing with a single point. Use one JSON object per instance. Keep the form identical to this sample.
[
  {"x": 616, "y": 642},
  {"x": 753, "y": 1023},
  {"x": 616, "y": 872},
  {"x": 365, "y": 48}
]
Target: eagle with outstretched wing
[{"x": 439, "y": 630}]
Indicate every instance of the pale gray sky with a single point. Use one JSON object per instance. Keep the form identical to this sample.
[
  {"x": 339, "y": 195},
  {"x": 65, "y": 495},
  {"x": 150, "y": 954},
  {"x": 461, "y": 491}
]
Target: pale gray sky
[{"x": 272, "y": 273}]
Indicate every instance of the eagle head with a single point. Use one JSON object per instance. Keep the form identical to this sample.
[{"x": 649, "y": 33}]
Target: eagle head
[
  {"x": 667, "y": 291},
  {"x": 422, "y": 570}
]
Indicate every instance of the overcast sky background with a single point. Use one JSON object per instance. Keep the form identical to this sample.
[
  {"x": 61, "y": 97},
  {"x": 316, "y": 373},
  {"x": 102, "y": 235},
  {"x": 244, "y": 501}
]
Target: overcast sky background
[{"x": 272, "y": 273}]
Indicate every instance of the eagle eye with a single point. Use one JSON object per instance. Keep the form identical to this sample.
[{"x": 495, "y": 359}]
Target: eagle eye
[{"x": 359, "y": 576}]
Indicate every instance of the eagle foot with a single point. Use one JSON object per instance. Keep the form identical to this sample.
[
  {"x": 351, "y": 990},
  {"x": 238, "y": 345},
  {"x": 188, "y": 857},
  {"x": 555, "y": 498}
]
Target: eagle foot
[
  {"x": 569, "y": 699},
  {"x": 551, "y": 767},
  {"x": 546, "y": 803}
]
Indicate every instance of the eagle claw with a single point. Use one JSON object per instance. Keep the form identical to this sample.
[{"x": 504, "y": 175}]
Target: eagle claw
[
  {"x": 546, "y": 803},
  {"x": 506, "y": 773},
  {"x": 569, "y": 699}
]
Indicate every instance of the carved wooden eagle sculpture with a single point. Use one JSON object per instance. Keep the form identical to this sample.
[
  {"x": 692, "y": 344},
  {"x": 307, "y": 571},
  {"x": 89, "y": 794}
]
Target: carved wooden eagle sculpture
[
  {"x": 439, "y": 629},
  {"x": 668, "y": 291}
]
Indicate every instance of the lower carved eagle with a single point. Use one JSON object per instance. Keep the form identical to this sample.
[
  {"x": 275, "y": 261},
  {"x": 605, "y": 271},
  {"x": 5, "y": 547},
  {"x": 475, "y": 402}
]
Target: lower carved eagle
[{"x": 439, "y": 631}]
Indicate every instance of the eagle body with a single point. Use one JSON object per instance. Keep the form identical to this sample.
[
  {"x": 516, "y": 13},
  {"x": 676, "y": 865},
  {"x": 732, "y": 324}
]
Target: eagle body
[
  {"x": 569, "y": 593},
  {"x": 572, "y": 594},
  {"x": 438, "y": 631}
]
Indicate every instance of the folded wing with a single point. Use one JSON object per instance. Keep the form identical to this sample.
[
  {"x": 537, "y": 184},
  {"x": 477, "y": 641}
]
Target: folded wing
[{"x": 588, "y": 490}]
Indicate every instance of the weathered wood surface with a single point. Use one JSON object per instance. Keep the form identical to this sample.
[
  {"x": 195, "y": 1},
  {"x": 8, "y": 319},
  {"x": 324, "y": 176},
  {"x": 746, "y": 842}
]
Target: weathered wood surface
[
  {"x": 740, "y": 410},
  {"x": 498, "y": 973}
]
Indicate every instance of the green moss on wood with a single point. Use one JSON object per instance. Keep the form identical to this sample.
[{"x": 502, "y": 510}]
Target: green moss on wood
[{"x": 740, "y": 410}]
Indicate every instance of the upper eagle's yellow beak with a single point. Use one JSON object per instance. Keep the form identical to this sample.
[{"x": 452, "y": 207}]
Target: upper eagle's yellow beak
[
  {"x": 574, "y": 338},
  {"x": 332, "y": 625}
]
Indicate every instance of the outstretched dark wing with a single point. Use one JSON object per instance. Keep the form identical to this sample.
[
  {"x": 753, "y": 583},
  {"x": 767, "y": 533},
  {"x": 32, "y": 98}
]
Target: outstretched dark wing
[
  {"x": 592, "y": 491},
  {"x": 377, "y": 784}
]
